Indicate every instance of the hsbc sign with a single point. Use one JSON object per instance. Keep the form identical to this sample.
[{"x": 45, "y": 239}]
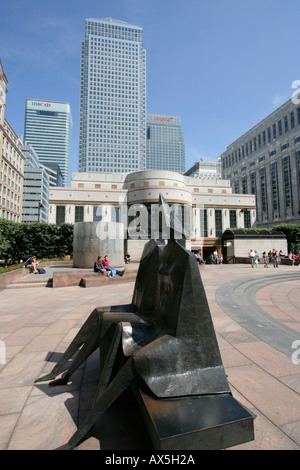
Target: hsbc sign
[
  {"x": 40, "y": 104},
  {"x": 43, "y": 105}
]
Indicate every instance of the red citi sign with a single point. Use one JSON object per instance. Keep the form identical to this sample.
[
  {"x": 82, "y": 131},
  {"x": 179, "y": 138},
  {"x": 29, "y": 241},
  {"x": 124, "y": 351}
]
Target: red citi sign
[{"x": 163, "y": 119}]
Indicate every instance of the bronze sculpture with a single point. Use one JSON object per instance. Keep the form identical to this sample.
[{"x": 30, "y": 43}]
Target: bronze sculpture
[{"x": 164, "y": 341}]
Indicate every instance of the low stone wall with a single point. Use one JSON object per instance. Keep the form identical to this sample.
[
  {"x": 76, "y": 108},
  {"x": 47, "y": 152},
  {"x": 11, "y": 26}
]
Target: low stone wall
[
  {"x": 84, "y": 279},
  {"x": 7, "y": 278}
]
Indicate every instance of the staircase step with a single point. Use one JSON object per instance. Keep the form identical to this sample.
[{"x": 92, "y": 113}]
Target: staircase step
[{"x": 28, "y": 284}]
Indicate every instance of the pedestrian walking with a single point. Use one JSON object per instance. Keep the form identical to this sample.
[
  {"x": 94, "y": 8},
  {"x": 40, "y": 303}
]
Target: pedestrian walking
[
  {"x": 266, "y": 260},
  {"x": 252, "y": 257}
]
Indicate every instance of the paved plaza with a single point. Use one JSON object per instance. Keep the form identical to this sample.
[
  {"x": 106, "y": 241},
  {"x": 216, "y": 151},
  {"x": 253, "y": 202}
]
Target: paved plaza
[{"x": 256, "y": 315}]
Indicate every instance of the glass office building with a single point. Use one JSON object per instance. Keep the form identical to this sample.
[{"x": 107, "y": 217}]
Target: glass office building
[
  {"x": 165, "y": 145},
  {"x": 112, "y": 130},
  {"x": 35, "y": 186},
  {"x": 48, "y": 128}
]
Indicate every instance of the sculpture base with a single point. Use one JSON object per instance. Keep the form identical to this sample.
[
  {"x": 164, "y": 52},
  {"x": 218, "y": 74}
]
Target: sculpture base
[{"x": 210, "y": 422}]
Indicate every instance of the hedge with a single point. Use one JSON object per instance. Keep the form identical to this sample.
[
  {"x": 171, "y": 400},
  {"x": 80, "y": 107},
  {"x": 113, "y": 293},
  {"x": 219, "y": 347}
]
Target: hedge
[{"x": 19, "y": 241}]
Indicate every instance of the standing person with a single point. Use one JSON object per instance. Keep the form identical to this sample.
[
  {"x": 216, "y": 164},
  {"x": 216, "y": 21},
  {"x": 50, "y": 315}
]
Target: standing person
[
  {"x": 270, "y": 256},
  {"x": 275, "y": 258},
  {"x": 256, "y": 258},
  {"x": 105, "y": 264},
  {"x": 98, "y": 267},
  {"x": 127, "y": 258},
  {"x": 221, "y": 259},
  {"x": 266, "y": 260},
  {"x": 252, "y": 257}
]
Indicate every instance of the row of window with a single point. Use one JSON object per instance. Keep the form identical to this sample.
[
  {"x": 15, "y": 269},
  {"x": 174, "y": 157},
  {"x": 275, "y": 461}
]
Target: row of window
[
  {"x": 97, "y": 216},
  {"x": 267, "y": 136},
  {"x": 285, "y": 189}
]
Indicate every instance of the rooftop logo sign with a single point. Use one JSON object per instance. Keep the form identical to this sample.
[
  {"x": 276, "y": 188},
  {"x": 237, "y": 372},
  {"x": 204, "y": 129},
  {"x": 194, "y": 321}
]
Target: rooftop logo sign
[
  {"x": 163, "y": 119},
  {"x": 39, "y": 104}
]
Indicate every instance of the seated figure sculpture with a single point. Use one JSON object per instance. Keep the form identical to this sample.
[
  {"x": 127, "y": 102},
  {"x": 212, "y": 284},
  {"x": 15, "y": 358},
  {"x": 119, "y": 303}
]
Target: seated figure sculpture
[
  {"x": 87, "y": 339},
  {"x": 168, "y": 343}
]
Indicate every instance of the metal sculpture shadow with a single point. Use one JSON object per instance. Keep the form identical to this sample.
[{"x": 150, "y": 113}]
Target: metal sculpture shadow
[{"x": 164, "y": 339}]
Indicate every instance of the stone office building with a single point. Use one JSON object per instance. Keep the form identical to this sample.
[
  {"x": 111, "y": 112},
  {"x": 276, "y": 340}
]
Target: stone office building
[
  {"x": 265, "y": 161},
  {"x": 207, "y": 206},
  {"x": 11, "y": 163}
]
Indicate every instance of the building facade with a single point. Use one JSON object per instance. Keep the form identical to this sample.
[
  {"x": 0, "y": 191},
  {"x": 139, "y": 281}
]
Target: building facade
[
  {"x": 265, "y": 161},
  {"x": 11, "y": 163},
  {"x": 48, "y": 128},
  {"x": 207, "y": 207},
  {"x": 36, "y": 186},
  {"x": 204, "y": 169},
  {"x": 164, "y": 143},
  {"x": 112, "y": 116}
]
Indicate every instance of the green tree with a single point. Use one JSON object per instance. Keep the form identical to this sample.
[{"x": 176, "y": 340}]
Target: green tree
[{"x": 292, "y": 233}]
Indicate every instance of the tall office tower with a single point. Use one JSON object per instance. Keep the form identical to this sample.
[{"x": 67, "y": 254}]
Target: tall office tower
[
  {"x": 165, "y": 145},
  {"x": 35, "y": 187},
  {"x": 112, "y": 132},
  {"x": 48, "y": 128}
]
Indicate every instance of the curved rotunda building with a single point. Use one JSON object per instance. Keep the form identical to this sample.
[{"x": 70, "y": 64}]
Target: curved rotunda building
[{"x": 207, "y": 205}]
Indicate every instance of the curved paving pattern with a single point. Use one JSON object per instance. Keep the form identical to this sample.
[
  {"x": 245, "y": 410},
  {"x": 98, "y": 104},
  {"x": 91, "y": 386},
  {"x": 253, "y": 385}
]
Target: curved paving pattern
[
  {"x": 256, "y": 313},
  {"x": 237, "y": 299}
]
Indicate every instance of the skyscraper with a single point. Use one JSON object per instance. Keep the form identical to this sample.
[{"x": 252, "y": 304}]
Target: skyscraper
[
  {"x": 112, "y": 131},
  {"x": 48, "y": 128},
  {"x": 165, "y": 145}
]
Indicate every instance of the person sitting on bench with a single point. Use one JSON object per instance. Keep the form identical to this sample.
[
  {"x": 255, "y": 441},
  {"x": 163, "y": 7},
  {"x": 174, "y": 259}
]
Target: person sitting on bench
[
  {"x": 98, "y": 267},
  {"x": 32, "y": 263},
  {"x": 105, "y": 264}
]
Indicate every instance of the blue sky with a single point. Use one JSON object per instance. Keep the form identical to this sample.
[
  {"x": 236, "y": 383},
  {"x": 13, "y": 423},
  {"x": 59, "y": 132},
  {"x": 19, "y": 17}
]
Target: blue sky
[{"x": 222, "y": 65}]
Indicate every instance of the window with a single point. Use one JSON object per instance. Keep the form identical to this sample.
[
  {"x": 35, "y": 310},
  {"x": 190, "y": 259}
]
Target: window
[
  {"x": 244, "y": 185},
  {"x": 232, "y": 218},
  {"x": 287, "y": 181},
  {"x": 286, "y": 124},
  {"x": 60, "y": 215},
  {"x": 203, "y": 222},
  {"x": 292, "y": 115},
  {"x": 97, "y": 213},
  {"x": 78, "y": 213},
  {"x": 263, "y": 187},
  {"x": 218, "y": 222},
  {"x": 253, "y": 182},
  {"x": 285, "y": 146},
  {"x": 274, "y": 186},
  {"x": 247, "y": 218}
]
